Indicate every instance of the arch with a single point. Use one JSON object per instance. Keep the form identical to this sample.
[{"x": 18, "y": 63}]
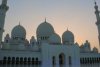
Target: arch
[
  {"x": 61, "y": 59},
  {"x": 4, "y": 60},
  {"x": 97, "y": 60},
  {"x": 80, "y": 60},
  {"x": 29, "y": 60},
  {"x": 17, "y": 60},
  {"x": 33, "y": 60},
  {"x": 70, "y": 61},
  {"x": 13, "y": 60},
  {"x": 85, "y": 61},
  {"x": 21, "y": 60},
  {"x": 53, "y": 61},
  {"x": 90, "y": 60},
  {"x": 9, "y": 60},
  {"x": 37, "y": 61},
  {"x": 25, "y": 60}
]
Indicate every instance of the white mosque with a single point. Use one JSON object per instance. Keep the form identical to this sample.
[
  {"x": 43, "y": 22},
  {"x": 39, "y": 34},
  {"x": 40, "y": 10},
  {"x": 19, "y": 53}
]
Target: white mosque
[{"x": 47, "y": 50}]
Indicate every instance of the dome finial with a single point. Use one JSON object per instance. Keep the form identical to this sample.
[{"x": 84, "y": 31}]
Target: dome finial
[
  {"x": 4, "y": 2},
  {"x": 45, "y": 20},
  {"x": 95, "y": 2},
  {"x": 19, "y": 22},
  {"x": 67, "y": 29}
]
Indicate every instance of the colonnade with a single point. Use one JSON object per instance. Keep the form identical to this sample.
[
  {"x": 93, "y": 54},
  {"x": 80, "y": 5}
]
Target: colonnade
[{"x": 20, "y": 60}]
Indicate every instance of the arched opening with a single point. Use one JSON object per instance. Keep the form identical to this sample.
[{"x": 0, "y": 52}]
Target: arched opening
[
  {"x": 70, "y": 61},
  {"x": 17, "y": 60},
  {"x": 4, "y": 60},
  {"x": 93, "y": 60},
  {"x": 32, "y": 60},
  {"x": 36, "y": 61},
  {"x": 97, "y": 60},
  {"x": 53, "y": 61},
  {"x": 21, "y": 60},
  {"x": 61, "y": 60},
  {"x": 9, "y": 60},
  {"x": 85, "y": 60},
  {"x": 25, "y": 60},
  {"x": 13, "y": 60},
  {"x": 90, "y": 60},
  {"x": 29, "y": 60}
]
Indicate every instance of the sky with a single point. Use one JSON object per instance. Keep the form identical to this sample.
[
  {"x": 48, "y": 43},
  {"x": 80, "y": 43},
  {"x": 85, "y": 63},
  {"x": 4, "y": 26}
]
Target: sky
[{"x": 76, "y": 15}]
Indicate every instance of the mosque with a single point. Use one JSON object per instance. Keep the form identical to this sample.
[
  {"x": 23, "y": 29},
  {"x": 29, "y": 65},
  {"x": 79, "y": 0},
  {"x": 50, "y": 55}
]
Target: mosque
[{"x": 48, "y": 50}]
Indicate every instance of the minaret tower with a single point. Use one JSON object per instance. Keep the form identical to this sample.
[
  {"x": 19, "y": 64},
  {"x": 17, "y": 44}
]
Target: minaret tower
[
  {"x": 98, "y": 20},
  {"x": 3, "y": 9}
]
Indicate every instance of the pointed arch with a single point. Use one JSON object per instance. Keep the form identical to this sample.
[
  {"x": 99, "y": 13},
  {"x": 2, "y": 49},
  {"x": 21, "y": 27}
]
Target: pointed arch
[
  {"x": 62, "y": 59},
  {"x": 53, "y": 61}
]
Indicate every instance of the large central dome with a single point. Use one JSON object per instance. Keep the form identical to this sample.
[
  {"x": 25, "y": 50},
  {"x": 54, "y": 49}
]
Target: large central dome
[
  {"x": 68, "y": 37},
  {"x": 18, "y": 32},
  {"x": 44, "y": 29}
]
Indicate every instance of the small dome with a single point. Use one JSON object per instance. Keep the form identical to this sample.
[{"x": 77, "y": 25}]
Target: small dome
[
  {"x": 87, "y": 44},
  {"x": 68, "y": 37},
  {"x": 44, "y": 29},
  {"x": 95, "y": 50},
  {"x": 55, "y": 39},
  {"x": 77, "y": 44},
  {"x": 18, "y": 32},
  {"x": 7, "y": 36},
  {"x": 7, "y": 39},
  {"x": 32, "y": 40}
]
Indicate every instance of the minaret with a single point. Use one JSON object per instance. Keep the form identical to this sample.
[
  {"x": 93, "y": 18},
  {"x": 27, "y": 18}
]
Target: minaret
[
  {"x": 98, "y": 20},
  {"x": 3, "y": 9}
]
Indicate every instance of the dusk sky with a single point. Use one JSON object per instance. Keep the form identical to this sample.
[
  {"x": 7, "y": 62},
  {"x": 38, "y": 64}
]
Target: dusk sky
[{"x": 76, "y": 15}]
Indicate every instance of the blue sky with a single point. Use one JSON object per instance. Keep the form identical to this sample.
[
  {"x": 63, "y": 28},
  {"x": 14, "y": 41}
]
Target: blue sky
[{"x": 76, "y": 15}]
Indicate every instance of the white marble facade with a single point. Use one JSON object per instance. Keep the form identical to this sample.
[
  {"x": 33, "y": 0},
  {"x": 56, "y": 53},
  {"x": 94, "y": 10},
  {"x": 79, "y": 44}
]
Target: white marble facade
[{"x": 48, "y": 50}]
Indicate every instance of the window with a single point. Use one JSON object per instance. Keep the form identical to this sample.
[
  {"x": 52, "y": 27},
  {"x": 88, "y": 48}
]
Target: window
[
  {"x": 17, "y": 60},
  {"x": 4, "y": 60},
  {"x": 70, "y": 60},
  {"x": 13, "y": 60},
  {"x": 36, "y": 61},
  {"x": 29, "y": 60},
  {"x": 61, "y": 60},
  {"x": 25, "y": 60},
  {"x": 32, "y": 60},
  {"x": 9, "y": 60},
  {"x": 53, "y": 61},
  {"x": 21, "y": 60}
]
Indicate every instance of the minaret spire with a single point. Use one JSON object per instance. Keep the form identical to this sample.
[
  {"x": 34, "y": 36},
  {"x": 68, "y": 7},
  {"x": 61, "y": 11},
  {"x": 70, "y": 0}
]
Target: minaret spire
[
  {"x": 3, "y": 9},
  {"x": 98, "y": 20},
  {"x": 97, "y": 11},
  {"x": 45, "y": 20},
  {"x": 4, "y": 2},
  {"x": 19, "y": 22}
]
